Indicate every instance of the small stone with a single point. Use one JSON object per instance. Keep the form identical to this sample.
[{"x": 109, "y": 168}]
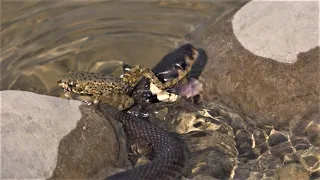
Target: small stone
[{"x": 292, "y": 171}]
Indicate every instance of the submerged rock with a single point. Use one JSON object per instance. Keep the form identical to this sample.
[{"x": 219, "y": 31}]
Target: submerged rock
[{"x": 292, "y": 171}]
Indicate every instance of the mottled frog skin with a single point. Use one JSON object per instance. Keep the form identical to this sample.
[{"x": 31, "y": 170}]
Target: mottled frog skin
[{"x": 102, "y": 87}]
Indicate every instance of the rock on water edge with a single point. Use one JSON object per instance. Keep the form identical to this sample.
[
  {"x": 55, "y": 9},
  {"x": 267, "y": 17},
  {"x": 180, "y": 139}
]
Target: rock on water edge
[
  {"x": 31, "y": 128},
  {"x": 263, "y": 88},
  {"x": 48, "y": 137}
]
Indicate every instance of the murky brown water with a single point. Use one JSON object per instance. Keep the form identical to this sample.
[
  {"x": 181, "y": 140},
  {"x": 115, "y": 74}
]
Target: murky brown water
[{"x": 44, "y": 39}]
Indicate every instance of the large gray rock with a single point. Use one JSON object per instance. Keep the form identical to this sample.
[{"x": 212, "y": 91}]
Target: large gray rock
[
  {"x": 278, "y": 30},
  {"x": 44, "y": 136},
  {"x": 31, "y": 128}
]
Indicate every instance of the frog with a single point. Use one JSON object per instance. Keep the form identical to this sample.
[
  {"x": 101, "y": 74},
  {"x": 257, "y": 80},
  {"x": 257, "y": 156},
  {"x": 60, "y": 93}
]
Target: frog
[
  {"x": 115, "y": 91},
  {"x": 101, "y": 87}
]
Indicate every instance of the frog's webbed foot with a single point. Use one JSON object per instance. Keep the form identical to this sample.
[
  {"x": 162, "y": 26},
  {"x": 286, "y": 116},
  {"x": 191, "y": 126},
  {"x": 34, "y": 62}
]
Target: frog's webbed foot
[
  {"x": 95, "y": 100},
  {"x": 88, "y": 100}
]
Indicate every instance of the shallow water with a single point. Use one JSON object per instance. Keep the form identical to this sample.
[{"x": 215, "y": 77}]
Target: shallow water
[{"x": 42, "y": 40}]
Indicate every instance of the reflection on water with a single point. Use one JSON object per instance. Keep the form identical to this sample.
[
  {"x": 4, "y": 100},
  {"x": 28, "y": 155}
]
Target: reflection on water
[{"x": 43, "y": 39}]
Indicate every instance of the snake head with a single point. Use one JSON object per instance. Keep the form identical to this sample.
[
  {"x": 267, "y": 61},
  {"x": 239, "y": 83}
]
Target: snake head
[
  {"x": 190, "y": 56},
  {"x": 181, "y": 62}
]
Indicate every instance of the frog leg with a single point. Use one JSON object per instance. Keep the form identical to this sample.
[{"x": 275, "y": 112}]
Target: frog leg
[
  {"x": 117, "y": 100},
  {"x": 95, "y": 100},
  {"x": 133, "y": 75},
  {"x": 146, "y": 72}
]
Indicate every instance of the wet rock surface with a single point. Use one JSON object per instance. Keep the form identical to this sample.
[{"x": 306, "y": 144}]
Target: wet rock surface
[
  {"x": 275, "y": 106},
  {"x": 209, "y": 140},
  {"x": 49, "y": 137},
  {"x": 262, "y": 88},
  {"x": 292, "y": 171},
  {"x": 213, "y": 130}
]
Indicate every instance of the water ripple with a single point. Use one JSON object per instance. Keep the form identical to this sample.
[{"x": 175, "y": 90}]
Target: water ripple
[{"x": 43, "y": 39}]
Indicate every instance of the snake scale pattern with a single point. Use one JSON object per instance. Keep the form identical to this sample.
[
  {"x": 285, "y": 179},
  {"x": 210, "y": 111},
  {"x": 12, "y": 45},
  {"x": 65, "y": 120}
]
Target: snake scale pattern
[{"x": 168, "y": 157}]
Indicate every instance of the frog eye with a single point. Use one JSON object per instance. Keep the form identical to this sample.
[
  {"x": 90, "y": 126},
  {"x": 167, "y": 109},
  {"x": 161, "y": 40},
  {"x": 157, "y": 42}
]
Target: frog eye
[
  {"x": 72, "y": 84},
  {"x": 126, "y": 67}
]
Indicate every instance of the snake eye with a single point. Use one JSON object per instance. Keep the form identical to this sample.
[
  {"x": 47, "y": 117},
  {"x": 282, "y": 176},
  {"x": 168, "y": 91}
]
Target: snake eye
[{"x": 190, "y": 51}]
